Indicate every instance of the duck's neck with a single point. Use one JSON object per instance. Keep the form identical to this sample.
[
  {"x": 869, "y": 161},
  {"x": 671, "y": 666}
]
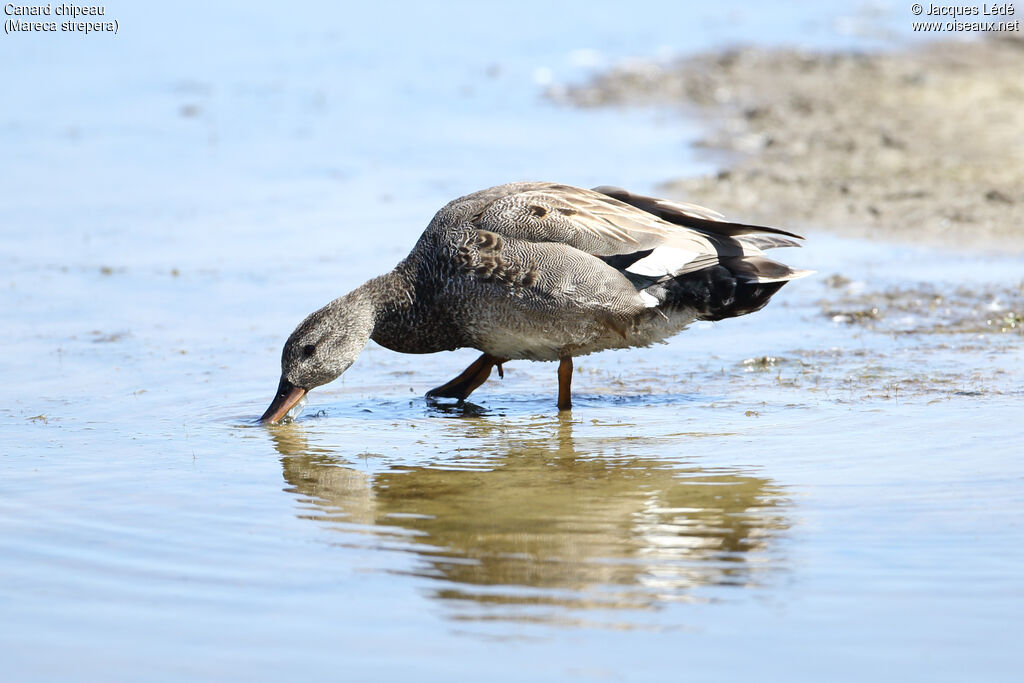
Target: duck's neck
[
  {"x": 383, "y": 293},
  {"x": 403, "y": 320}
]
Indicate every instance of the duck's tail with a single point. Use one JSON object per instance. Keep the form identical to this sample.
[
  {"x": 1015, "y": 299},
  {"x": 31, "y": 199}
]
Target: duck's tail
[
  {"x": 714, "y": 293},
  {"x": 729, "y": 286}
]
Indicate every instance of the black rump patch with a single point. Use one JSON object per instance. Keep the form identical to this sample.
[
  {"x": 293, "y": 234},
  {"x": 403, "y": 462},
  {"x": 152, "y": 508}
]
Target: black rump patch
[{"x": 716, "y": 293}]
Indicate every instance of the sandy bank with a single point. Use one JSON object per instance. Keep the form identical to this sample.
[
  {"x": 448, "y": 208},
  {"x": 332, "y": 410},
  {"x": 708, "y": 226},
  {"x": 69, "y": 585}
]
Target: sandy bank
[{"x": 923, "y": 144}]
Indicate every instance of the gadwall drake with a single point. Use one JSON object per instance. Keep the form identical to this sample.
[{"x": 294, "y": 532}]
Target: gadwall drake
[{"x": 541, "y": 271}]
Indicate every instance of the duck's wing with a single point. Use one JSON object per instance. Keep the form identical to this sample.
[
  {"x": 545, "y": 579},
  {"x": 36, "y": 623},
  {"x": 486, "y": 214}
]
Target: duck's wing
[{"x": 646, "y": 236}]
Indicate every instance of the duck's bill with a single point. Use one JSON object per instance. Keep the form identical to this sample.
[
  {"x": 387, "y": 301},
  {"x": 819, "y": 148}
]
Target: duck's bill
[{"x": 288, "y": 397}]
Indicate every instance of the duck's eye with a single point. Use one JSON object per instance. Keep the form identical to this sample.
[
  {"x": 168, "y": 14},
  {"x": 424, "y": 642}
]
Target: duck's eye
[{"x": 308, "y": 350}]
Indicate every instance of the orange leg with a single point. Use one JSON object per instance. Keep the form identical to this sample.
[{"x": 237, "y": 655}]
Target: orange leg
[
  {"x": 565, "y": 384},
  {"x": 470, "y": 378}
]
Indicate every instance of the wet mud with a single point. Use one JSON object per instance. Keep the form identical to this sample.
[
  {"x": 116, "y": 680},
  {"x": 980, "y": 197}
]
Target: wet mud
[{"x": 923, "y": 143}]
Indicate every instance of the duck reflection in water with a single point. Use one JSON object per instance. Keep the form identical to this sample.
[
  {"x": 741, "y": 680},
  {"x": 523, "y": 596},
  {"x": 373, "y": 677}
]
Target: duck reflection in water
[{"x": 527, "y": 522}]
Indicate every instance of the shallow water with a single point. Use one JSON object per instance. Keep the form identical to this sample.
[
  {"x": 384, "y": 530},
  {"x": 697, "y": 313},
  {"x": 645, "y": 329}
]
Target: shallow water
[{"x": 828, "y": 489}]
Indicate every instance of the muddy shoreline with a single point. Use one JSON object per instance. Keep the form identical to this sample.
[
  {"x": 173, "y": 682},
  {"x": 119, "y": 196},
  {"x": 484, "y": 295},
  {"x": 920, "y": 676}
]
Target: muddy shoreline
[{"x": 920, "y": 145}]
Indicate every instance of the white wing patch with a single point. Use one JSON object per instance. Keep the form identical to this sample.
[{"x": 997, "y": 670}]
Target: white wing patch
[
  {"x": 650, "y": 301},
  {"x": 664, "y": 260}
]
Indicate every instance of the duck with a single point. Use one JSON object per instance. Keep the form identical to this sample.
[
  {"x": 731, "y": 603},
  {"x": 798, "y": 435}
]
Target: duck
[{"x": 540, "y": 271}]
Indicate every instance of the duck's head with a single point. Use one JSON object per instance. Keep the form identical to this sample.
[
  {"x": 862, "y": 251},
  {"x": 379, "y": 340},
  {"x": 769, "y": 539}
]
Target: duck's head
[{"x": 323, "y": 346}]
